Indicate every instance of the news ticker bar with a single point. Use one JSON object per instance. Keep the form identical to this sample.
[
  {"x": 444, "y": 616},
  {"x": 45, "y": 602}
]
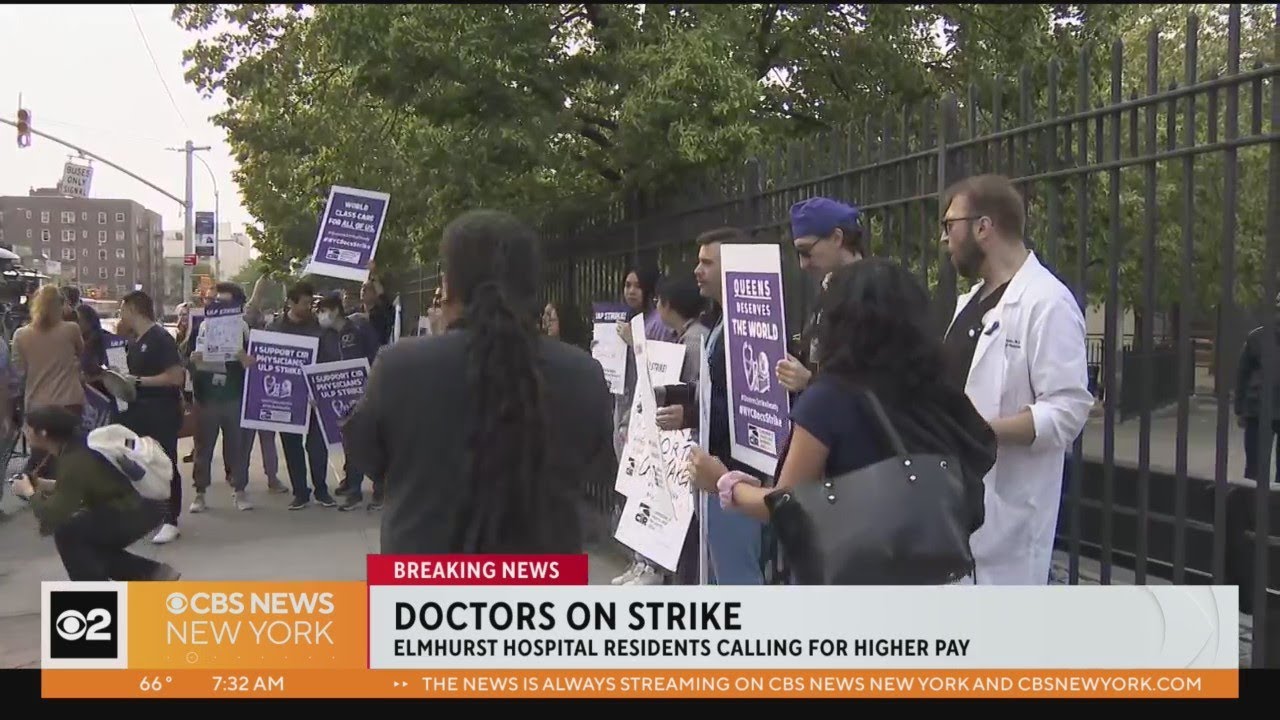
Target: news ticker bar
[
  {"x": 641, "y": 684},
  {"x": 531, "y": 627}
]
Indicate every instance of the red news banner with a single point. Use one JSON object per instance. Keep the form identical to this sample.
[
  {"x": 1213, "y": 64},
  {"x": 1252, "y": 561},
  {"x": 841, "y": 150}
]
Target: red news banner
[{"x": 532, "y": 627}]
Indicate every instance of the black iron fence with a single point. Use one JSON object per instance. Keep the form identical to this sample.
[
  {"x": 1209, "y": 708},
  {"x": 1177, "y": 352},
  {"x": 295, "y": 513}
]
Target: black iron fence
[{"x": 1152, "y": 187}]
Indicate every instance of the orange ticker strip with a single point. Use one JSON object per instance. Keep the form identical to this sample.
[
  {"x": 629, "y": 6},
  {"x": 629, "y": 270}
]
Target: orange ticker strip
[{"x": 640, "y": 684}]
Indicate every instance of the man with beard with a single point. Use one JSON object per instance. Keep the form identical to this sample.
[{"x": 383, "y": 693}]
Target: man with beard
[{"x": 1017, "y": 346}]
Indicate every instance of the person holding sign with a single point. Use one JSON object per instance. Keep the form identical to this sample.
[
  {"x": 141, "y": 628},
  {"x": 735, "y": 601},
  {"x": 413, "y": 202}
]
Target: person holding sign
[
  {"x": 827, "y": 235},
  {"x": 219, "y": 385},
  {"x": 298, "y": 319},
  {"x": 734, "y": 539},
  {"x": 347, "y": 338},
  {"x": 524, "y": 420},
  {"x": 876, "y": 335}
]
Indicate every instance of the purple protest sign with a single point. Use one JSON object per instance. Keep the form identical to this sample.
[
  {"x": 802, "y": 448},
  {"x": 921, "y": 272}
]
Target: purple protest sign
[
  {"x": 98, "y": 409},
  {"x": 275, "y": 387},
  {"x": 335, "y": 389},
  {"x": 607, "y": 346},
  {"x": 754, "y": 341},
  {"x": 349, "y": 232}
]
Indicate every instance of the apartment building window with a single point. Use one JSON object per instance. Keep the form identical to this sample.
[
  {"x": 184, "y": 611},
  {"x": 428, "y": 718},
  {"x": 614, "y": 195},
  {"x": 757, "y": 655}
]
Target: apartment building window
[
  {"x": 68, "y": 217},
  {"x": 68, "y": 253},
  {"x": 44, "y": 235},
  {"x": 102, "y": 273},
  {"x": 84, "y": 272},
  {"x": 102, "y": 254},
  {"x": 119, "y": 217},
  {"x": 119, "y": 236},
  {"x": 84, "y": 234},
  {"x": 119, "y": 254},
  {"x": 102, "y": 237},
  {"x": 28, "y": 214},
  {"x": 44, "y": 217},
  {"x": 119, "y": 271},
  {"x": 84, "y": 217},
  {"x": 28, "y": 233},
  {"x": 102, "y": 218},
  {"x": 68, "y": 236},
  {"x": 84, "y": 252}
]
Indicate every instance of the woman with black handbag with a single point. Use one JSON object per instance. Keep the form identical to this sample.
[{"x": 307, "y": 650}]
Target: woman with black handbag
[{"x": 881, "y": 479}]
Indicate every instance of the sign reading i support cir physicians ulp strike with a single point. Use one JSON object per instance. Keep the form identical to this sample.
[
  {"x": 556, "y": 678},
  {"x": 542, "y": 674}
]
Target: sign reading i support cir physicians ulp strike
[
  {"x": 335, "y": 389},
  {"x": 275, "y": 387},
  {"x": 349, "y": 233},
  {"x": 755, "y": 340},
  {"x": 485, "y": 626}
]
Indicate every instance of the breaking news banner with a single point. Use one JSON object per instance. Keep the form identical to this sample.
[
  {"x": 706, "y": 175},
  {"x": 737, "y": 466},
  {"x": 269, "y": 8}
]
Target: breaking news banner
[{"x": 530, "y": 627}]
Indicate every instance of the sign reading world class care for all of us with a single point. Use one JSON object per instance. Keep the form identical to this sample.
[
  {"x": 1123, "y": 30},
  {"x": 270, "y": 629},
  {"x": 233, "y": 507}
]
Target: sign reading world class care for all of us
[{"x": 349, "y": 233}]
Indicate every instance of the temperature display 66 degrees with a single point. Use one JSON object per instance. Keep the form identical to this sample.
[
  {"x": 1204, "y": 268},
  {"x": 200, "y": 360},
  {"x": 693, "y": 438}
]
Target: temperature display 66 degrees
[
  {"x": 247, "y": 683},
  {"x": 154, "y": 683}
]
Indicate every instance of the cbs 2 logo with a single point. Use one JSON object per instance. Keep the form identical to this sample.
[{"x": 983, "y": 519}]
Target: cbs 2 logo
[{"x": 75, "y": 625}]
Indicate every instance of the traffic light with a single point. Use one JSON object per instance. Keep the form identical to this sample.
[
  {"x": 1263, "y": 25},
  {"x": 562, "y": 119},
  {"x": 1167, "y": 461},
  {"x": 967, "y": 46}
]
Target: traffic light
[{"x": 24, "y": 128}]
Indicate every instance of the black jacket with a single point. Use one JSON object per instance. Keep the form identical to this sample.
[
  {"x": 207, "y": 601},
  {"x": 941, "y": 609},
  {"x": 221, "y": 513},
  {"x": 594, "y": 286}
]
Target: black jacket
[
  {"x": 412, "y": 429},
  {"x": 1248, "y": 395}
]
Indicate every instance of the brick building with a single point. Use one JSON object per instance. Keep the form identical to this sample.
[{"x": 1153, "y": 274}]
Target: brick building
[{"x": 106, "y": 247}]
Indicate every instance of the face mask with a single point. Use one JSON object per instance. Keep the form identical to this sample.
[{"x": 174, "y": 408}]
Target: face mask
[{"x": 326, "y": 320}]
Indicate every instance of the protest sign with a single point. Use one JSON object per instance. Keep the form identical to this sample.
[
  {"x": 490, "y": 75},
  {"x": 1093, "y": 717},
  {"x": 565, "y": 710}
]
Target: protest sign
[
  {"x": 754, "y": 342},
  {"x": 664, "y": 361},
  {"x": 275, "y": 394},
  {"x": 223, "y": 335},
  {"x": 98, "y": 409},
  {"x": 335, "y": 388},
  {"x": 655, "y": 464},
  {"x": 607, "y": 346},
  {"x": 117, "y": 352},
  {"x": 349, "y": 233}
]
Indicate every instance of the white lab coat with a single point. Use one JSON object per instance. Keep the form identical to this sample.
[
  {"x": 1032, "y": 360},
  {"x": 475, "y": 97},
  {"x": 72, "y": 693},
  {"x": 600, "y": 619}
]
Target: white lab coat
[{"x": 1031, "y": 354}]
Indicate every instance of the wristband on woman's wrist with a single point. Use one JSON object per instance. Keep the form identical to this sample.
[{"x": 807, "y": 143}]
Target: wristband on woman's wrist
[{"x": 728, "y": 482}]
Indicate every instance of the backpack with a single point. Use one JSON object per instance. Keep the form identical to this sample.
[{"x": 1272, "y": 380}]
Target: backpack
[{"x": 140, "y": 459}]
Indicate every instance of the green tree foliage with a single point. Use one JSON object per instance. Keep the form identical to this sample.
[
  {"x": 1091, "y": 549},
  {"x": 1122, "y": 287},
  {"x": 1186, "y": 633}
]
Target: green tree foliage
[
  {"x": 543, "y": 106},
  {"x": 571, "y": 114}
]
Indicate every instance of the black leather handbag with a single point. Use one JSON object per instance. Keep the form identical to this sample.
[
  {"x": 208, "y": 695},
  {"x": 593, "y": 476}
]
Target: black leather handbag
[{"x": 901, "y": 521}]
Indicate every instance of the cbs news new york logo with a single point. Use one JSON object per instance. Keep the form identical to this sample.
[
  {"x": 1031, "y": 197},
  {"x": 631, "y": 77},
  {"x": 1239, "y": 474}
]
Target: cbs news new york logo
[{"x": 83, "y": 625}]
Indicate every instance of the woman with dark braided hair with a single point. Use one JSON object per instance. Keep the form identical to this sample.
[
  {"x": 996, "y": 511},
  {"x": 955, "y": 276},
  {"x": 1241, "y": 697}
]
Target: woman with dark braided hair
[{"x": 487, "y": 433}]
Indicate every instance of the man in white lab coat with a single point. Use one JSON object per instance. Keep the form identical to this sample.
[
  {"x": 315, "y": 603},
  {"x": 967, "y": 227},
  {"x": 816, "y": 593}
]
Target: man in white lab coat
[{"x": 1017, "y": 346}]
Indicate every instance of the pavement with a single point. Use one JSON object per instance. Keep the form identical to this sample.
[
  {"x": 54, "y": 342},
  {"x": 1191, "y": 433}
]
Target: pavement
[
  {"x": 1202, "y": 441},
  {"x": 266, "y": 543}
]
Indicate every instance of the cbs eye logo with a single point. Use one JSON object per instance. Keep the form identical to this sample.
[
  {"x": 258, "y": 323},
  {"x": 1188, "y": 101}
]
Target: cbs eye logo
[{"x": 83, "y": 624}]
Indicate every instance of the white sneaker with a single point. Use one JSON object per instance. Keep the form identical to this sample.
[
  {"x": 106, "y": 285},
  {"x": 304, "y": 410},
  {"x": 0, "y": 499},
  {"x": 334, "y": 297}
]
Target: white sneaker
[
  {"x": 198, "y": 505},
  {"x": 627, "y": 574},
  {"x": 242, "y": 500},
  {"x": 167, "y": 534},
  {"x": 648, "y": 575}
]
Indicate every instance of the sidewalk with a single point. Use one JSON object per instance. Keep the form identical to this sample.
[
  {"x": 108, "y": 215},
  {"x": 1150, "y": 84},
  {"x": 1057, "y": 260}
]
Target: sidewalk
[{"x": 266, "y": 543}]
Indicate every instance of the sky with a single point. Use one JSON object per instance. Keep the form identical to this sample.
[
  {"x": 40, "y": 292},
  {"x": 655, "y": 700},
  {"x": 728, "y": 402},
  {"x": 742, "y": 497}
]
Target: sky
[{"x": 86, "y": 76}]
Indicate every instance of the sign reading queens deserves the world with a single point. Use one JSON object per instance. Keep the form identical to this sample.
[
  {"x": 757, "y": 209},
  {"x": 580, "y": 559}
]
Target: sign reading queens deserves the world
[{"x": 755, "y": 340}]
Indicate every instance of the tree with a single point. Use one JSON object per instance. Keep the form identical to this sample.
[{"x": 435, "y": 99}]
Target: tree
[{"x": 555, "y": 109}]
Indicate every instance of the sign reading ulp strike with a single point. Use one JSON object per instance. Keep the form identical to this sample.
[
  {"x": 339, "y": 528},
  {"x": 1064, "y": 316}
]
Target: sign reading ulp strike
[
  {"x": 754, "y": 341},
  {"x": 349, "y": 232},
  {"x": 335, "y": 388},
  {"x": 275, "y": 391}
]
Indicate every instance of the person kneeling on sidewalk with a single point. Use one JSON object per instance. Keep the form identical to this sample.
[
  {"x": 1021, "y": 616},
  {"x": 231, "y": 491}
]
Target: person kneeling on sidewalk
[{"x": 91, "y": 509}]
